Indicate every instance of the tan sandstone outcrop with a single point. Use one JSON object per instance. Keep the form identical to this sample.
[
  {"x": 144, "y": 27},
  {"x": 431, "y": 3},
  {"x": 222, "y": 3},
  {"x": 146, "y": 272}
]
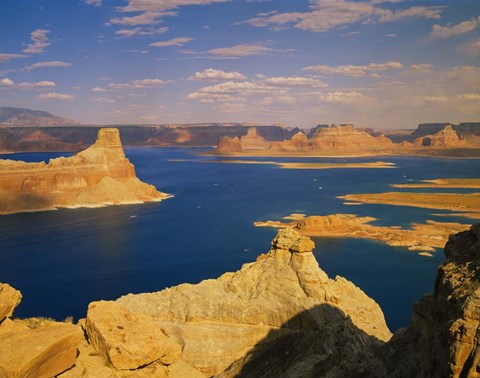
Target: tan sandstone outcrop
[
  {"x": 443, "y": 339},
  {"x": 9, "y": 299},
  {"x": 45, "y": 351},
  {"x": 253, "y": 141},
  {"x": 228, "y": 145},
  {"x": 219, "y": 321},
  {"x": 98, "y": 176},
  {"x": 447, "y": 137},
  {"x": 128, "y": 340}
]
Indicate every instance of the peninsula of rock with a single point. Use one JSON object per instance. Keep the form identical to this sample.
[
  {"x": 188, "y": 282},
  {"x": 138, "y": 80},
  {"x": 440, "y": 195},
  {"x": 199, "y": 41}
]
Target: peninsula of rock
[{"x": 98, "y": 176}]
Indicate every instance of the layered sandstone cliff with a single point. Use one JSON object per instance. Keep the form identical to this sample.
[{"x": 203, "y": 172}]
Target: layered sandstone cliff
[
  {"x": 443, "y": 138},
  {"x": 229, "y": 145},
  {"x": 253, "y": 141},
  {"x": 98, "y": 176}
]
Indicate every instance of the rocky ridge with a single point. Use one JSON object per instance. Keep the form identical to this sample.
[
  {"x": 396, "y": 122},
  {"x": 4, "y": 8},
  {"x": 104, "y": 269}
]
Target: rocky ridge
[
  {"x": 278, "y": 316},
  {"x": 98, "y": 176}
]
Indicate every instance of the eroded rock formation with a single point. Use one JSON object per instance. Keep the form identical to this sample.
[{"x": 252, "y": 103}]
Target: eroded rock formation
[
  {"x": 283, "y": 291},
  {"x": 228, "y": 145},
  {"x": 443, "y": 138},
  {"x": 98, "y": 176},
  {"x": 253, "y": 141}
]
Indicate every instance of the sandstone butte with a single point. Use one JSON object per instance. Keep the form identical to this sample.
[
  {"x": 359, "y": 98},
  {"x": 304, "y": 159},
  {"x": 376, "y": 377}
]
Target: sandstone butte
[
  {"x": 280, "y": 316},
  {"x": 98, "y": 176},
  {"x": 342, "y": 140}
]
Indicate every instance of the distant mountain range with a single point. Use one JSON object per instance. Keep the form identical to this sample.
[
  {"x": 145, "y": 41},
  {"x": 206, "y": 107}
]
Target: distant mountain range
[{"x": 27, "y": 117}]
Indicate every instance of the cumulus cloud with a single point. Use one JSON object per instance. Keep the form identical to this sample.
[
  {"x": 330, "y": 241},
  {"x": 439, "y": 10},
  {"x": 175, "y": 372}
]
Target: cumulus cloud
[
  {"x": 295, "y": 81},
  {"x": 39, "y": 42},
  {"x": 54, "y": 63},
  {"x": 352, "y": 70},
  {"x": 449, "y": 31},
  {"x": 103, "y": 100},
  {"x": 278, "y": 100},
  {"x": 137, "y": 84},
  {"x": 341, "y": 97},
  {"x": 239, "y": 51},
  {"x": 180, "y": 41},
  {"x": 140, "y": 31},
  {"x": 147, "y": 18},
  {"x": 56, "y": 96},
  {"x": 38, "y": 84},
  {"x": 4, "y": 57},
  {"x": 6, "y": 82},
  {"x": 211, "y": 74},
  {"x": 98, "y": 89},
  {"x": 95, "y": 3},
  {"x": 330, "y": 14},
  {"x": 155, "y": 5}
]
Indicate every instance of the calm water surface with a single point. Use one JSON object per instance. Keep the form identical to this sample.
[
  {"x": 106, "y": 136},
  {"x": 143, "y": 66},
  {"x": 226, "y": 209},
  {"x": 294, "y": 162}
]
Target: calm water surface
[{"x": 62, "y": 260}]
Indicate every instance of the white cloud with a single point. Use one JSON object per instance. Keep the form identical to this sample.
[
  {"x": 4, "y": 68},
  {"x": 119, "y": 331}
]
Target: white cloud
[
  {"x": 464, "y": 27},
  {"x": 386, "y": 15},
  {"x": 136, "y": 84},
  {"x": 6, "y": 82},
  {"x": 295, "y": 81},
  {"x": 140, "y": 31},
  {"x": 56, "y": 96},
  {"x": 147, "y": 18},
  {"x": 352, "y": 70},
  {"x": 239, "y": 51},
  {"x": 341, "y": 97},
  {"x": 103, "y": 100},
  {"x": 330, "y": 14},
  {"x": 40, "y": 42},
  {"x": 211, "y": 74},
  {"x": 180, "y": 41},
  {"x": 98, "y": 89},
  {"x": 55, "y": 63},
  {"x": 473, "y": 48},
  {"x": 38, "y": 84},
  {"x": 419, "y": 68},
  {"x": 230, "y": 107},
  {"x": 156, "y": 5},
  {"x": 278, "y": 100},
  {"x": 95, "y": 3},
  {"x": 4, "y": 57}
]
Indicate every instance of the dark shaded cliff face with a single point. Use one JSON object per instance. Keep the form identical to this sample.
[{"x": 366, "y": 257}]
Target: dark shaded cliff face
[
  {"x": 443, "y": 339},
  {"x": 462, "y": 129},
  {"x": 70, "y": 138}
]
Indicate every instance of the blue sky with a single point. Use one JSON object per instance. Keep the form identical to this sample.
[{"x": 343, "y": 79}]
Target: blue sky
[{"x": 376, "y": 63}]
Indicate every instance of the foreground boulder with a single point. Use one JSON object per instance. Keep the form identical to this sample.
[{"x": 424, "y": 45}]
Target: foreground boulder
[
  {"x": 45, "y": 351},
  {"x": 9, "y": 299},
  {"x": 128, "y": 340},
  {"x": 98, "y": 176},
  {"x": 283, "y": 292}
]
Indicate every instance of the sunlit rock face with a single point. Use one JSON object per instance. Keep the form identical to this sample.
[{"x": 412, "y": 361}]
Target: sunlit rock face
[
  {"x": 228, "y": 145},
  {"x": 284, "y": 291},
  {"x": 253, "y": 141},
  {"x": 98, "y": 176},
  {"x": 443, "y": 138}
]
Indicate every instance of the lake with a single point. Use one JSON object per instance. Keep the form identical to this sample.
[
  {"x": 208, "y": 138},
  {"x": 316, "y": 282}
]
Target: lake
[{"x": 62, "y": 260}]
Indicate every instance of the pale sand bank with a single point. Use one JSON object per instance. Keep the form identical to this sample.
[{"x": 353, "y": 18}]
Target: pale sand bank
[{"x": 466, "y": 183}]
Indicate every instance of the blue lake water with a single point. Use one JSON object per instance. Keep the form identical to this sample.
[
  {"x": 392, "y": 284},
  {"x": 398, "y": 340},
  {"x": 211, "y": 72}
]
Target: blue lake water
[{"x": 62, "y": 260}]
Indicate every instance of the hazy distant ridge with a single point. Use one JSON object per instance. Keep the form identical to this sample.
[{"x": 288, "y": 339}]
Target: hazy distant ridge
[{"x": 27, "y": 117}]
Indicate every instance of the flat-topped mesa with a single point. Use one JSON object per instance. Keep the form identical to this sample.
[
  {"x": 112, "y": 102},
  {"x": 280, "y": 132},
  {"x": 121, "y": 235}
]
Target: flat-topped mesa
[
  {"x": 447, "y": 137},
  {"x": 98, "y": 176},
  {"x": 283, "y": 291},
  {"x": 228, "y": 145}
]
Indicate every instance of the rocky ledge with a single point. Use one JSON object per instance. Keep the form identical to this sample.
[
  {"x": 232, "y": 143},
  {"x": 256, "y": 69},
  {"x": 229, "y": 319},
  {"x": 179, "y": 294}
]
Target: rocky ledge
[
  {"x": 278, "y": 316},
  {"x": 98, "y": 176}
]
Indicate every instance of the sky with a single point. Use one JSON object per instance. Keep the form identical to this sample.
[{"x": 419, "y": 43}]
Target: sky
[{"x": 384, "y": 64}]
